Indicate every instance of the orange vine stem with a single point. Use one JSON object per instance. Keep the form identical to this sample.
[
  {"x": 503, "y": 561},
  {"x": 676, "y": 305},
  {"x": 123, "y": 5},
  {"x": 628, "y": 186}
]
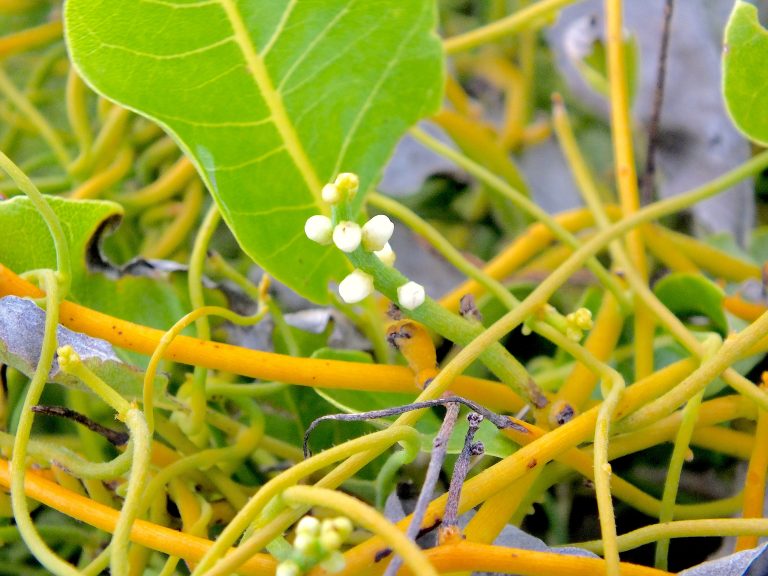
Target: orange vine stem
[
  {"x": 464, "y": 555},
  {"x": 754, "y": 484},
  {"x": 526, "y": 246},
  {"x": 269, "y": 366},
  {"x": 147, "y": 534}
]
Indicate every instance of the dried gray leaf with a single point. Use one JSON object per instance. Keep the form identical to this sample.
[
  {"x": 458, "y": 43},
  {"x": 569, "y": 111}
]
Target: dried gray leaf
[
  {"x": 697, "y": 139},
  {"x": 22, "y": 325},
  {"x": 753, "y": 562}
]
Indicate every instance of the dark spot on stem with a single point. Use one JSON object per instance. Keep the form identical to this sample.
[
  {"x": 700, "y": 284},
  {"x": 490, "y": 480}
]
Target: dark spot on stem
[
  {"x": 532, "y": 463},
  {"x": 565, "y": 414},
  {"x": 381, "y": 554}
]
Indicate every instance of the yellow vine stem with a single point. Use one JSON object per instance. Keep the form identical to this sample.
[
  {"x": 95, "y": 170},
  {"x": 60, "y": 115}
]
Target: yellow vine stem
[
  {"x": 195, "y": 424},
  {"x": 176, "y": 232},
  {"x": 160, "y": 538},
  {"x": 140, "y": 454},
  {"x": 530, "y": 243},
  {"x": 735, "y": 346},
  {"x": 377, "y": 442},
  {"x": 754, "y": 484},
  {"x": 626, "y": 176},
  {"x": 29, "y": 534},
  {"x": 659, "y": 247},
  {"x": 171, "y": 334},
  {"x": 246, "y": 362},
  {"x": 109, "y": 139},
  {"x": 689, "y": 418},
  {"x": 25, "y": 107},
  {"x": 464, "y": 555},
  {"x": 713, "y": 260},
  {"x": 367, "y": 517},
  {"x": 636, "y": 282},
  {"x": 77, "y": 113},
  {"x": 723, "y": 409},
  {"x": 536, "y": 453},
  {"x": 601, "y": 343},
  {"x": 719, "y": 527},
  {"x": 529, "y": 18},
  {"x": 102, "y": 181},
  {"x": 30, "y": 38},
  {"x": 165, "y": 187}
]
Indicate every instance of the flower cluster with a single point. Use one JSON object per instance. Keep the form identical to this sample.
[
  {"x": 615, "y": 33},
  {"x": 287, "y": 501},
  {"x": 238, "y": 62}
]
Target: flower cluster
[
  {"x": 317, "y": 543},
  {"x": 578, "y": 322},
  {"x": 349, "y": 236}
]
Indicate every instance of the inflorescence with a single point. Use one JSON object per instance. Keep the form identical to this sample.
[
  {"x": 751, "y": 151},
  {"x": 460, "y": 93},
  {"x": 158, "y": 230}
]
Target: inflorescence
[{"x": 349, "y": 236}]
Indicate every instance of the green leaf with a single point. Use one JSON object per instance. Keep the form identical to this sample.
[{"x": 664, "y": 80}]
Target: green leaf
[
  {"x": 26, "y": 244},
  {"x": 693, "y": 295},
  {"x": 744, "y": 74},
  {"x": 270, "y": 100},
  {"x": 595, "y": 73}
]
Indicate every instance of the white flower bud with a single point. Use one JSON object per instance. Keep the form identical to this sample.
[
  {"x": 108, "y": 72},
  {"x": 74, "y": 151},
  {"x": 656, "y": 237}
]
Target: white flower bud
[
  {"x": 304, "y": 543},
  {"x": 308, "y": 525},
  {"x": 334, "y": 563},
  {"x": 386, "y": 255},
  {"x": 331, "y": 540},
  {"x": 331, "y": 194},
  {"x": 347, "y": 236},
  {"x": 288, "y": 568},
  {"x": 377, "y": 232},
  {"x": 410, "y": 295},
  {"x": 319, "y": 229},
  {"x": 355, "y": 287},
  {"x": 348, "y": 183},
  {"x": 343, "y": 526}
]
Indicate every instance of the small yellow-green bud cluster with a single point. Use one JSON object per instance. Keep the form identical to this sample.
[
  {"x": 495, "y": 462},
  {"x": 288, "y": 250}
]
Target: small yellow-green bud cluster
[
  {"x": 578, "y": 322},
  {"x": 317, "y": 543},
  {"x": 348, "y": 236}
]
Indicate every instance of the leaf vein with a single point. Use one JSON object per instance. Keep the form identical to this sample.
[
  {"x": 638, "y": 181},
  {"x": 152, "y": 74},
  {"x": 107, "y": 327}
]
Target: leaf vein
[{"x": 273, "y": 101}]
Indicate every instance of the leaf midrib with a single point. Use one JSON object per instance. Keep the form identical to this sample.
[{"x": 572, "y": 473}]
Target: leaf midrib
[{"x": 285, "y": 128}]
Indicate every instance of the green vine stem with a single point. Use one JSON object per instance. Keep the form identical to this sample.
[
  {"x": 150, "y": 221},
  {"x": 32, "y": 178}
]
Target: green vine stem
[
  {"x": 167, "y": 339},
  {"x": 140, "y": 454},
  {"x": 195, "y": 425},
  {"x": 524, "y": 203},
  {"x": 717, "y": 527},
  {"x": 387, "y": 280},
  {"x": 32, "y": 539},
  {"x": 365, "y": 516},
  {"x": 452, "y": 255},
  {"x": 71, "y": 461},
  {"x": 528, "y": 18},
  {"x": 142, "y": 451},
  {"x": 378, "y": 441},
  {"x": 63, "y": 262},
  {"x": 35, "y": 117},
  {"x": 674, "y": 470}
]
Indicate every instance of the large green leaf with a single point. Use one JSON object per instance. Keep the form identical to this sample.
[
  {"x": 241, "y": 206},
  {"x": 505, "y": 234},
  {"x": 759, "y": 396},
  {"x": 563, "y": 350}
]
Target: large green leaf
[
  {"x": 744, "y": 72},
  {"x": 270, "y": 99}
]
